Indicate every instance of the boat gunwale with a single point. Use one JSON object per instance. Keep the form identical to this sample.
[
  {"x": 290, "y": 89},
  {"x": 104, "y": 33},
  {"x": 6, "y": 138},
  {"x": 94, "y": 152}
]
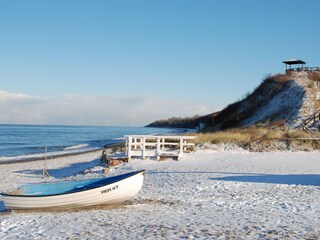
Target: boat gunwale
[{"x": 122, "y": 177}]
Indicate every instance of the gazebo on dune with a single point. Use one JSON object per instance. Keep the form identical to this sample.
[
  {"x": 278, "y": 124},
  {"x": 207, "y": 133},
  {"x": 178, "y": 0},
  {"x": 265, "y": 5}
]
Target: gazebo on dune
[{"x": 294, "y": 62}]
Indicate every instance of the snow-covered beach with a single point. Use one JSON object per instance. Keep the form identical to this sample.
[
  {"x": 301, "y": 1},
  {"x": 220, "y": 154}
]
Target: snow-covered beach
[{"x": 207, "y": 195}]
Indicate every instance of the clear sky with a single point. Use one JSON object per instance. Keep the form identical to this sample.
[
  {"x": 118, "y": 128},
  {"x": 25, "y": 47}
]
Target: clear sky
[{"x": 116, "y": 62}]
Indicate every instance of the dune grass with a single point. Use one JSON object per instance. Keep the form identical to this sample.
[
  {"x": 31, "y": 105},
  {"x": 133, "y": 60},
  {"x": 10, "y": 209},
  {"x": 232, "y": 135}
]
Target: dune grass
[{"x": 243, "y": 136}]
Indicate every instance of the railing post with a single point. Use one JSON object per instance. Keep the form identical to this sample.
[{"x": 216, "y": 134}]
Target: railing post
[
  {"x": 162, "y": 143},
  {"x": 143, "y": 145},
  {"x": 134, "y": 143},
  {"x": 180, "y": 155},
  {"x": 128, "y": 146},
  {"x": 158, "y": 148}
]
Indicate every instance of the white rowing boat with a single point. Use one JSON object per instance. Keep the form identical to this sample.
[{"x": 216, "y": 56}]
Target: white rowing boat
[{"x": 71, "y": 194}]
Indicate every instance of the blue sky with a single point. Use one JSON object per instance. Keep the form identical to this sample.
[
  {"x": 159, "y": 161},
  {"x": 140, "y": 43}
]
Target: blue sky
[{"x": 132, "y": 62}]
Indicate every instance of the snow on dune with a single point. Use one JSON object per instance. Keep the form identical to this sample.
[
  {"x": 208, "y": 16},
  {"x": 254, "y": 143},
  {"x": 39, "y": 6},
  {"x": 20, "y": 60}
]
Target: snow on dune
[{"x": 207, "y": 195}]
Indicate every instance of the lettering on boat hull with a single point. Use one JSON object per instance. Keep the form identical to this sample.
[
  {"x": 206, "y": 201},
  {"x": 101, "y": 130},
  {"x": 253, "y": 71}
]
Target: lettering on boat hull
[{"x": 109, "y": 189}]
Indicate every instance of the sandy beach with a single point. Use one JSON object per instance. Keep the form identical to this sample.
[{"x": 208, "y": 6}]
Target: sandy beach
[{"x": 209, "y": 194}]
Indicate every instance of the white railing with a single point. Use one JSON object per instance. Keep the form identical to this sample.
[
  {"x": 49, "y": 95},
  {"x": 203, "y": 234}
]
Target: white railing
[{"x": 156, "y": 146}]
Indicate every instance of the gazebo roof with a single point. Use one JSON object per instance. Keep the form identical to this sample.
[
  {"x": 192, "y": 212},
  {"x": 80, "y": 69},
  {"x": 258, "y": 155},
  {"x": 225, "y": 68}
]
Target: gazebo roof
[{"x": 294, "y": 61}]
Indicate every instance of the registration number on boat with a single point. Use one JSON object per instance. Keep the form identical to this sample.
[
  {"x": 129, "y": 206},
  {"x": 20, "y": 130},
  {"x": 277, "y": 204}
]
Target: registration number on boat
[{"x": 109, "y": 189}]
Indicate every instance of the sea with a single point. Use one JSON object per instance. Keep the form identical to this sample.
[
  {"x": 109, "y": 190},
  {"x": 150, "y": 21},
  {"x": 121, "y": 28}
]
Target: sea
[{"x": 21, "y": 142}]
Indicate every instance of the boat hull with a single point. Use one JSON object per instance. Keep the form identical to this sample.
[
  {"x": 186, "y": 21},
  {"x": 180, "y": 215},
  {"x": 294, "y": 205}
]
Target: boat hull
[{"x": 115, "y": 192}]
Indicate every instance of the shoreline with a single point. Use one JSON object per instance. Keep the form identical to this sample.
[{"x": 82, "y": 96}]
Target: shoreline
[
  {"x": 34, "y": 159},
  {"x": 61, "y": 155},
  {"x": 217, "y": 147},
  {"x": 18, "y": 159},
  {"x": 31, "y": 148}
]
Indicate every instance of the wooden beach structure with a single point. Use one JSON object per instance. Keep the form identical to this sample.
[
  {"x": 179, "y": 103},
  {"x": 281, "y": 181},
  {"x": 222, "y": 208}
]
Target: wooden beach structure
[
  {"x": 158, "y": 146},
  {"x": 295, "y": 62},
  {"x": 297, "y": 65}
]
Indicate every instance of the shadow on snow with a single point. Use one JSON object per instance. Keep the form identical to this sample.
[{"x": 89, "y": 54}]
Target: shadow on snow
[
  {"x": 292, "y": 179},
  {"x": 64, "y": 171}
]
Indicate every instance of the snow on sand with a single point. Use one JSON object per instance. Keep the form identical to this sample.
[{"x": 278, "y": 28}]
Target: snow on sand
[{"x": 208, "y": 195}]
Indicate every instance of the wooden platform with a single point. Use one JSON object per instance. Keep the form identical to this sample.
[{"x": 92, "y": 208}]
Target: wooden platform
[{"x": 158, "y": 146}]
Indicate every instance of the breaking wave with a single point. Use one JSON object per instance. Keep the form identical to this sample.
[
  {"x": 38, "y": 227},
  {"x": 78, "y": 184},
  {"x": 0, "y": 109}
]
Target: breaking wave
[{"x": 76, "y": 146}]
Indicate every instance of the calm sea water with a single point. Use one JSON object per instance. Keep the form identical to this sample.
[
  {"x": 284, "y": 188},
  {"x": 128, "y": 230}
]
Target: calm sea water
[{"x": 25, "y": 141}]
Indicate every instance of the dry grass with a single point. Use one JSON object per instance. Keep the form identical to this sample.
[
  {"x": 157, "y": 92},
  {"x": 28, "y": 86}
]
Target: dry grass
[
  {"x": 277, "y": 133},
  {"x": 302, "y": 134},
  {"x": 242, "y": 136},
  {"x": 223, "y": 136},
  {"x": 317, "y": 104},
  {"x": 281, "y": 78},
  {"x": 314, "y": 76}
]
